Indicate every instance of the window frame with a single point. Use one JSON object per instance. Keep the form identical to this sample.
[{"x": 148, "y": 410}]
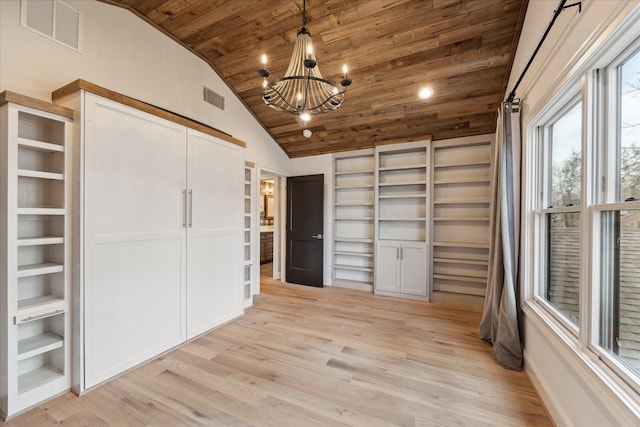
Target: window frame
[
  {"x": 556, "y": 110},
  {"x": 608, "y": 198}
]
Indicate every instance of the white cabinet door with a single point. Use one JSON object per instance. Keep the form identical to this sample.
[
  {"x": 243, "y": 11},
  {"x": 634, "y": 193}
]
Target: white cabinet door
[
  {"x": 387, "y": 267},
  {"x": 215, "y": 182},
  {"x": 413, "y": 269},
  {"x": 135, "y": 243}
]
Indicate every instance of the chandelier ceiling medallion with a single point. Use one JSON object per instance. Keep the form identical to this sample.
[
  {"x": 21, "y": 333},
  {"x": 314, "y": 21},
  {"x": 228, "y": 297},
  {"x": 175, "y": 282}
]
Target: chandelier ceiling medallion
[{"x": 302, "y": 91}]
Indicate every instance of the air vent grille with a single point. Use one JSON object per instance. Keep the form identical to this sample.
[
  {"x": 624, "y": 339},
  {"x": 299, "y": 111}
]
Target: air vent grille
[
  {"x": 213, "y": 98},
  {"x": 53, "y": 19}
]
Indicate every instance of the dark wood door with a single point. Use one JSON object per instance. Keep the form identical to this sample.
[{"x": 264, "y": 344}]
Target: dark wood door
[{"x": 305, "y": 219}]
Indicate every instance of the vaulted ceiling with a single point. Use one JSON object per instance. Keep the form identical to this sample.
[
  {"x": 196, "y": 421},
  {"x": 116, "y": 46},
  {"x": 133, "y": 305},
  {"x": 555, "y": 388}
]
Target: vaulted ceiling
[{"x": 462, "y": 49}]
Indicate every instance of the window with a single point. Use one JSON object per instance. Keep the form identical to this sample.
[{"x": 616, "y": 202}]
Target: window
[
  {"x": 619, "y": 218},
  {"x": 561, "y": 209},
  {"x": 585, "y": 196},
  {"x": 628, "y": 127}
]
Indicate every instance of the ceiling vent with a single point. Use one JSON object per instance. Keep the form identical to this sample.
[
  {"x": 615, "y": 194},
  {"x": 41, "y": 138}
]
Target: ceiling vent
[
  {"x": 213, "y": 98},
  {"x": 53, "y": 19}
]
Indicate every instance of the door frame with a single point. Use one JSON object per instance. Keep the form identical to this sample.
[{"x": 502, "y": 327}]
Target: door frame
[{"x": 279, "y": 225}]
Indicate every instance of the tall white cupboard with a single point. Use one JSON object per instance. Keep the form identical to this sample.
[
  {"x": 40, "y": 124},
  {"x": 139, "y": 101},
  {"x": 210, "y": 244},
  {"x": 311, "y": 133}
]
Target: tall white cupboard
[
  {"x": 159, "y": 235},
  {"x": 35, "y": 315}
]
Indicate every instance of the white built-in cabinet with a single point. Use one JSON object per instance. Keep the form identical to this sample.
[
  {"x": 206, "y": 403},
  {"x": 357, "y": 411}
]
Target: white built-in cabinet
[
  {"x": 460, "y": 200},
  {"x": 353, "y": 214},
  {"x": 401, "y": 219},
  {"x": 248, "y": 267},
  {"x": 159, "y": 248},
  {"x": 35, "y": 298}
]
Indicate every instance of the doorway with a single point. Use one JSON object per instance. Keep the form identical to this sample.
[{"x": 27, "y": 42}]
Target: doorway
[{"x": 269, "y": 224}]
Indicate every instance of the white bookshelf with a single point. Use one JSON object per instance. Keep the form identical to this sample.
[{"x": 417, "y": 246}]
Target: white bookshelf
[
  {"x": 401, "y": 219},
  {"x": 248, "y": 268},
  {"x": 353, "y": 218},
  {"x": 460, "y": 204},
  {"x": 35, "y": 284}
]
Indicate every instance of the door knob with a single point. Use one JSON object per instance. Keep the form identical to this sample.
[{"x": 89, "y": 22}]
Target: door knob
[{"x": 317, "y": 236}]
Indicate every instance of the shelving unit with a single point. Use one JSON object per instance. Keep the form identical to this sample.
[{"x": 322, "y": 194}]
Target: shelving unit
[
  {"x": 35, "y": 285},
  {"x": 401, "y": 219},
  {"x": 460, "y": 204},
  {"x": 248, "y": 262},
  {"x": 353, "y": 217}
]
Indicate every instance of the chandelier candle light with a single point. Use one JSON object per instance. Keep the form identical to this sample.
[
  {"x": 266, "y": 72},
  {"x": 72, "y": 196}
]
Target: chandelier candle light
[{"x": 302, "y": 91}]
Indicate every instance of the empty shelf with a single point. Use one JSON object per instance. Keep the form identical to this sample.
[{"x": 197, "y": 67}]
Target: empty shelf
[
  {"x": 36, "y": 241},
  {"x": 39, "y": 344},
  {"x": 37, "y": 269},
  {"x": 39, "y": 145},
  {"x": 40, "y": 174}
]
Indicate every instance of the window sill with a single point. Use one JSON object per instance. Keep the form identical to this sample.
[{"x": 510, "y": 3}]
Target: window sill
[{"x": 621, "y": 399}]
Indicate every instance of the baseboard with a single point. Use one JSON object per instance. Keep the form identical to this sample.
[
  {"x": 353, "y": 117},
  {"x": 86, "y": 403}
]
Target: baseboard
[{"x": 545, "y": 392}]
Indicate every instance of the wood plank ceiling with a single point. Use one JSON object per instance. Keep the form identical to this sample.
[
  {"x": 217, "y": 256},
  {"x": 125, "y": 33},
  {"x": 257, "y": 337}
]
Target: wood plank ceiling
[{"x": 463, "y": 49}]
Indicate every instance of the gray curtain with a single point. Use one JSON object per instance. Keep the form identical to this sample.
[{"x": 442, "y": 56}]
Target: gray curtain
[{"x": 499, "y": 325}]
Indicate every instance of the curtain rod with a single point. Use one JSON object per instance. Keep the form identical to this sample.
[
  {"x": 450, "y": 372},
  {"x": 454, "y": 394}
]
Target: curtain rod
[{"x": 556, "y": 13}]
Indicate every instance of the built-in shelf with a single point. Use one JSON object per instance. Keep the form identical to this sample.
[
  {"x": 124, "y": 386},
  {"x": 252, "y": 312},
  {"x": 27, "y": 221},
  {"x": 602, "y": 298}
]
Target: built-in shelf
[
  {"x": 249, "y": 272},
  {"x": 462, "y": 201},
  {"x": 397, "y": 184},
  {"x": 39, "y": 145},
  {"x": 45, "y": 303},
  {"x": 364, "y": 218},
  {"x": 402, "y": 219},
  {"x": 461, "y": 261},
  {"x": 37, "y": 378},
  {"x": 354, "y": 203},
  {"x": 462, "y": 164},
  {"x": 41, "y": 211},
  {"x": 462, "y": 219},
  {"x": 461, "y": 213},
  {"x": 460, "y": 278},
  {"x": 353, "y": 267},
  {"x": 40, "y": 174},
  {"x": 37, "y": 241},
  {"x": 353, "y": 239},
  {"x": 402, "y": 167},
  {"x": 355, "y": 172},
  {"x": 479, "y": 245},
  {"x": 403, "y": 196},
  {"x": 38, "y": 269},
  {"x": 354, "y": 187},
  {"x": 462, "y": 181},
  {"x": 36, "y": 348},
  {"x": 38, "y": 344},
  {"x": 356, "y": 254},
  {"x": 353, "y": 221}
]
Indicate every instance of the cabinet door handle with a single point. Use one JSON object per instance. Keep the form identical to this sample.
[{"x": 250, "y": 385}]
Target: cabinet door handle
[
  {"x": 397, "y": 253},
  {"x": 184, "y": 208},
  {"x": 190, "y": 208},
  {"x": 401, "y": 253}
]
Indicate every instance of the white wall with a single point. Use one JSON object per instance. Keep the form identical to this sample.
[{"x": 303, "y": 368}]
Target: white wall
[
  {"x": 316, "y": 165},
  {"x": 123, "y": 53},
  {"x": 570, "y": 382}
]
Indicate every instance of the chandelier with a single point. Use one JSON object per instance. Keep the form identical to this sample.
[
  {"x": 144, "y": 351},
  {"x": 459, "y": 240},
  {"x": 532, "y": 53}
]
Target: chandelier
[{"x": 302, "y": 91}]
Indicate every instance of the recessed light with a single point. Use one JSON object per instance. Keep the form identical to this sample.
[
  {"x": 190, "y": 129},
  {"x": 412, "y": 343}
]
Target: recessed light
[{"x": 425, "y": 92}]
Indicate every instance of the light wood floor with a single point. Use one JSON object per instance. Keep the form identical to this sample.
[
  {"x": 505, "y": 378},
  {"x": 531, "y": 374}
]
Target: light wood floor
[{"x": 316, "y": 357}]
